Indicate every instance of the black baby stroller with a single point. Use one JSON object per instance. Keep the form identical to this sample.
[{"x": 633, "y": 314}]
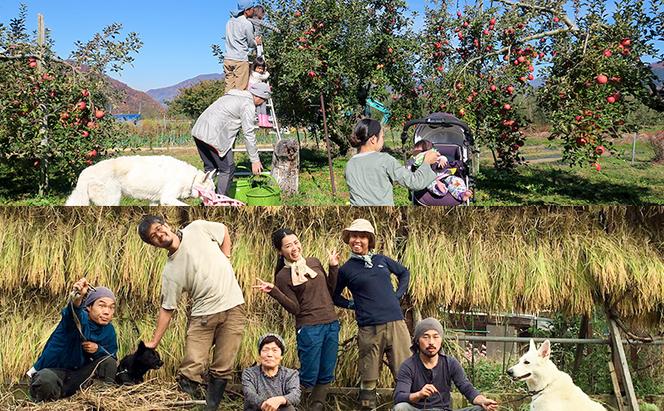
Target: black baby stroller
[{"x": 453, "y": 139}]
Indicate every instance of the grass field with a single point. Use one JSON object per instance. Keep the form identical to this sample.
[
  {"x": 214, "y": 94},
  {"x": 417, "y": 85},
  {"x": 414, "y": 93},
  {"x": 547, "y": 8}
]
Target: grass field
[{"x": 543, "y": 180}]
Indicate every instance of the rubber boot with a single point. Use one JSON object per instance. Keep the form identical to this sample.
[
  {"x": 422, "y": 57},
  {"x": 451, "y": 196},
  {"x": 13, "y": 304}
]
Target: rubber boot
[
  {"x": 368, "y": 399},
  {"x": 215, "y": 391},
  {"x": 193, "y": 388},
  {"x": 264, "y": 121},
  {"x": 319, "y": 397}
]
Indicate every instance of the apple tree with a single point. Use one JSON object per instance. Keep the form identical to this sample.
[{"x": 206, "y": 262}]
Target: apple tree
[
  {"x": 598, "y": 77},
  {"x": 347, "y": 51},
  {"x": 53, "y": 119}
]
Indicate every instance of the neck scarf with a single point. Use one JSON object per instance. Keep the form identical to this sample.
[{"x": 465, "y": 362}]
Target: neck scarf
[
  {"x": 299, "y": 270},
  {"x": 366, "y": 258}
]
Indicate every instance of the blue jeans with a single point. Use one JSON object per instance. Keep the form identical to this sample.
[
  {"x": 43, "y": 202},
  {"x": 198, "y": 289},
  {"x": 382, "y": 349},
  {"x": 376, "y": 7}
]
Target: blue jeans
[{"x": 317, "y": 347}]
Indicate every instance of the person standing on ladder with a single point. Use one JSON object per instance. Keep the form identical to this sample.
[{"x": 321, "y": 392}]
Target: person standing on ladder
[{"x": 240, "y": 39}]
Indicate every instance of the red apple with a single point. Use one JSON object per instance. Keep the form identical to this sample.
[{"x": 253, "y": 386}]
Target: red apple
[
  {"x": 390, "y": 50},
  {"x": 92, "y": 153},
  {"x": 611, "y": 99},
  {"x": 85, "y": 93},
  {"x": 600, "y": 150},
  {"x": 493, "y": 87},
  {"x": 531, "y": 77},
  {"x": 64, "y": 116},
  {"x": 581, "y": 141},
  {"x": 85, "y": 133},
  {"x": 626, "y": 42},
  {"x": 99, "y": 114},
  {"x": 298, "y": 13},
  {"x": 81, "y": 105},
  {"x": 597, "y": 166},
  {"x": 507, "y": 107},
  {"x": 607, "y": 53},
  {"x": 510, "y": 89},
  {"x": 492, "y": 22},
  {"x": 601, "y": 79},
  {"x": 556, "y": 19},
  {"x": 312, "y": 74}
]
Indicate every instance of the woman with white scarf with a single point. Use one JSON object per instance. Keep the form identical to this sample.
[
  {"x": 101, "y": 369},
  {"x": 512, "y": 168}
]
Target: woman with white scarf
[{"x": 303, "y": 288}]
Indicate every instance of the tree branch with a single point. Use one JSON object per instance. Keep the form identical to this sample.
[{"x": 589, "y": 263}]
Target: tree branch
[
  {"x": 564, "y": 17},
  {"x": 523, "y": 40}
]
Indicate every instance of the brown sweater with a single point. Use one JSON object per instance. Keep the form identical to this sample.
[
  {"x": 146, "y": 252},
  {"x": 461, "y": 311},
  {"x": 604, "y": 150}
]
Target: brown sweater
[{"x": 311, "y": 302}]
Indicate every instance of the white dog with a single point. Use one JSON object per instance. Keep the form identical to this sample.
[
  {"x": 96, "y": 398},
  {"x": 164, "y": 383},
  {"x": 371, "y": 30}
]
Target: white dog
[
  {"x": 551, "y": 389},
  {"x": 159, "y": 179}
]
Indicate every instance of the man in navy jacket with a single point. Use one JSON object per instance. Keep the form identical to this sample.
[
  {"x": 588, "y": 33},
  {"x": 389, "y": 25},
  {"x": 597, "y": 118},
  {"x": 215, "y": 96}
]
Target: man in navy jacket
[
  {"x": 73, "y": 356},
  {"x": 382, "y": 329}
]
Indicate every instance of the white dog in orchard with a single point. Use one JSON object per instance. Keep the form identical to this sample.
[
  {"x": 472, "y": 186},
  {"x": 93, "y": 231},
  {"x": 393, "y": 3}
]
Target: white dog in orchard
[
  {"x": 550, "y": 388},
  {"x": 160, "y": 179}
]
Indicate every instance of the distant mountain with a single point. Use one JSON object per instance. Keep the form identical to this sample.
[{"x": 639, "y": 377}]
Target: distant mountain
[
  {"x": 165, "y": 94},
  {"x": 135, "y": 101},
  {"x": 658, "y": 69}
]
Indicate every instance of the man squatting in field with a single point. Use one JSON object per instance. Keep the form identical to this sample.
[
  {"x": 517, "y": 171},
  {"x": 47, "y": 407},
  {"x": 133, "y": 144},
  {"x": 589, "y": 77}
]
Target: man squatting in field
[
  {"x": 381, "y": 326},
  {"x": 198, "y": 263},
  {"x": 425, "y": 379},
  {"x": 72, "y": 357}
]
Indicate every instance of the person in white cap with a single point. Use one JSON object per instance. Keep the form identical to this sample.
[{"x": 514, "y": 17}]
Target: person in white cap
[
  {"x": 217, "y": 128},
  {"x": 240, "y": 40},
  {"x": 382, "y": 329}
]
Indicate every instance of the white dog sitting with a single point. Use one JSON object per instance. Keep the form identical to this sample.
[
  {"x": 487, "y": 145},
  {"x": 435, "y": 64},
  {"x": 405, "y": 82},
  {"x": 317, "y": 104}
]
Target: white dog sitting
[
  {"x": 159, "y": 179},
  {"x": 550, "y": 388}
]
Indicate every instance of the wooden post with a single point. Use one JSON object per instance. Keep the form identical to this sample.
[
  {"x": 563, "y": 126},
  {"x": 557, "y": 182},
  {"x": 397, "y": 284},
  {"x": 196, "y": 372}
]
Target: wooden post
[
  {"x": 636, "y": 135},
  {"x": 616, "y": 387},
  {"x": 285, "y": 166},
  {"x": 327, "y": 143},
  {"x": 583, "y": 333},
  {"x": 43, "y": 129},
  {"x": 621, "y": 365}
]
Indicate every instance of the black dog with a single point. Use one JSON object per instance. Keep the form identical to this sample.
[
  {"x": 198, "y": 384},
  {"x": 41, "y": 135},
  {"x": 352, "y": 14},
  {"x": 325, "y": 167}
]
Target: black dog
[{"x": 133, "y": 367}]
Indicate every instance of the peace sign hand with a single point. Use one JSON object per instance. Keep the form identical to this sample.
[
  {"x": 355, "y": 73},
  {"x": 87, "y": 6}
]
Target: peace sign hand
[
  {"x": 263, "y": 286},
  {"x": 333, "y": 256}
]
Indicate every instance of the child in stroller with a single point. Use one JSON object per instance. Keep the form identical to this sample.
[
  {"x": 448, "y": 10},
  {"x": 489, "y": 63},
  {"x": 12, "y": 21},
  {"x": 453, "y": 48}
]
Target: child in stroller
[
  {"x": 453, "y": 139},
  {"x": 446, "y": 181}
]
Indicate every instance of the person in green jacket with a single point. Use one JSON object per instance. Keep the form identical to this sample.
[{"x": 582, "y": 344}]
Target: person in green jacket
[{"x": 370, "y": 174}]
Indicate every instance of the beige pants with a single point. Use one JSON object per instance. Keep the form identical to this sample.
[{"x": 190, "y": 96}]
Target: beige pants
[
  {"x": 236, "y": 75},
  {"x": 374, "y": 341},
  {"x": 223, "y": 331}
]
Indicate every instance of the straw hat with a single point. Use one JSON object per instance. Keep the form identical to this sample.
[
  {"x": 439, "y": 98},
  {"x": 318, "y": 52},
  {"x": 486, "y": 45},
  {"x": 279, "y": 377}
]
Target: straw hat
[{"x": 360, "y": 226}]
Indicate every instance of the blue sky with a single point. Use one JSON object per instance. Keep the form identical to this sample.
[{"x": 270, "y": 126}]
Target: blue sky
[{"x": 176, "y": 35}]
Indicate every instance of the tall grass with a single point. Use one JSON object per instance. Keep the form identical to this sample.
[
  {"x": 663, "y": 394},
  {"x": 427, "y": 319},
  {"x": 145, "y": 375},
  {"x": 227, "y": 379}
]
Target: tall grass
[{"x": 493, "y": 260}]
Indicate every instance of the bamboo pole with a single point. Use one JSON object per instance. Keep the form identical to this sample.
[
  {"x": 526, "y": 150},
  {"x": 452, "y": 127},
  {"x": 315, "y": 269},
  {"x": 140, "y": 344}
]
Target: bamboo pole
[{"x": 327, "y": 143}]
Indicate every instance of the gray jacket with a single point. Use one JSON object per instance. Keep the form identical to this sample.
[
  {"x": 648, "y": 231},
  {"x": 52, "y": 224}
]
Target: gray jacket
[
  {"x": 220, "y": 123},
  {"x": 240, "y": 38},
  {"x": 258, "y": 387}
]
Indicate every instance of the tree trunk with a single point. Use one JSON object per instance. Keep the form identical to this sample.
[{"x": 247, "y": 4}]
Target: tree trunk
[{"x": 285, "y": 166}]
